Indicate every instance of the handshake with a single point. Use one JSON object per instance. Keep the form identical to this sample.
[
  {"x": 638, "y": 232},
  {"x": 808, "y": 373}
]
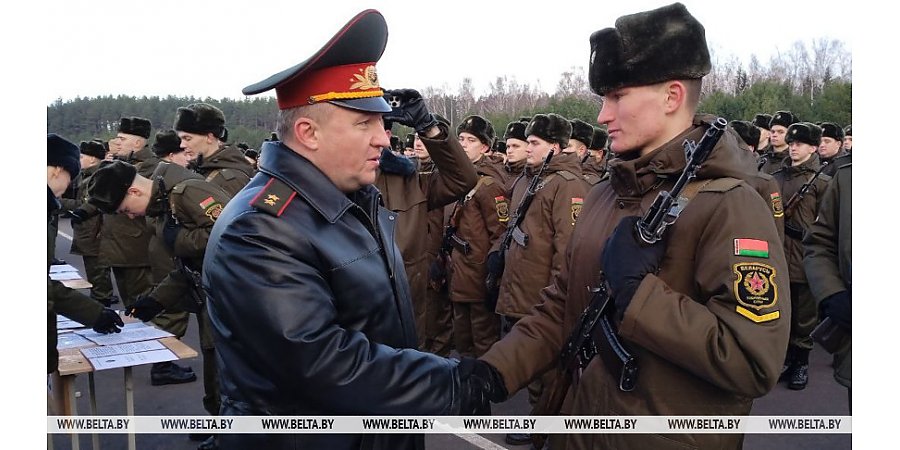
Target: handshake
[
  {"x": 480, "y": 384},
  {"x": 408, "y": 108}
]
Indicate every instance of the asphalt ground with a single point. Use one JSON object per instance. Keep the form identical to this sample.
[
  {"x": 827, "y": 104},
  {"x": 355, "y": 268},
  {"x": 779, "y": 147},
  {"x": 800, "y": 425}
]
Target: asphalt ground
[{"x": 823, "y": 396}]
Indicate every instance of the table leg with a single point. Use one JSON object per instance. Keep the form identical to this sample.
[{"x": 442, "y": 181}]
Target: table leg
[
  {"x": 92, "y": 394},
  {"x": 129, "y": 404}
]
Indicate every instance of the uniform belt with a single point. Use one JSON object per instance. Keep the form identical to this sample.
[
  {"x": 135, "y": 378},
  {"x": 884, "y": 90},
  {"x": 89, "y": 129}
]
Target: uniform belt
[
  {"x": 461, "y": 244},
  {"x": 520, "y": 237}
]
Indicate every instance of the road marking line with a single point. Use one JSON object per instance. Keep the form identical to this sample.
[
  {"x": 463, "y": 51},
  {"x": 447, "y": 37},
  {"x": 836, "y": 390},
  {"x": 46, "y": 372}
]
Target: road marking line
[{"x": 480, "y": 442}]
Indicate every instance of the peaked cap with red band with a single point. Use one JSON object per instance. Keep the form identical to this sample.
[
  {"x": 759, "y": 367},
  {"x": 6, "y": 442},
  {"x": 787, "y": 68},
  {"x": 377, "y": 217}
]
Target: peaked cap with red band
[{"x": 342, "y": 72}]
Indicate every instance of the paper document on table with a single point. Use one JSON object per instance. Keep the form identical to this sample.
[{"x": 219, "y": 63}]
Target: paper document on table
[
  {"x": 128, "y": 334},
  {"x": 60, "y": 268},
  {"x": 63, "y": 276},
  {"x": 65, "y": 325},
  {"x": 132, "y": 359},
  {"x": 71, "y": 340},
  {"x": 121, "y": 349},
  {"x": 61, "y": 318}
]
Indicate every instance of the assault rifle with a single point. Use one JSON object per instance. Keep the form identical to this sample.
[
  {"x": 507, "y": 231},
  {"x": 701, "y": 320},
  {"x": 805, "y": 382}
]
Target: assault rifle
[
  {"x": 492, "y": 282},
  {"x": 582, "y": 345},
  {"x": 789, "y": 228},
  {"x": 191, "y": 276}
]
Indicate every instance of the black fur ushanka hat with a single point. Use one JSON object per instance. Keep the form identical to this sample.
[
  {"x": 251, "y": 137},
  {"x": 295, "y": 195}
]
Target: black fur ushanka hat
[
  {"x": 804, "y": 132},
  {"x": 479, "y": 127},
  {"x": 552, "y": 128}
]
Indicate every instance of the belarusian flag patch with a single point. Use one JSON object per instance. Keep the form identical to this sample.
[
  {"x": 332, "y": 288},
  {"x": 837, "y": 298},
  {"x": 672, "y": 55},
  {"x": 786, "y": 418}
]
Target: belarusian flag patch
[{"x": 751, "y": 247}]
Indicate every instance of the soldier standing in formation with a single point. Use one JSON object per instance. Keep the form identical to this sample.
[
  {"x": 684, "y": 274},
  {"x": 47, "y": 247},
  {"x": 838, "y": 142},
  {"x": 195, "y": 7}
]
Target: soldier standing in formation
[
  {"x": 710, "y": 289},
  {"x": 831, "y": 150},
  {"x": 772, "y": 156},
  {"x": 800, "y": 172},
  {"x": 477, "y": 222},
  {"x": 593, "y": 165},
  {"x": 516, "y": 156},
  {"x": 761, "y": 121}
]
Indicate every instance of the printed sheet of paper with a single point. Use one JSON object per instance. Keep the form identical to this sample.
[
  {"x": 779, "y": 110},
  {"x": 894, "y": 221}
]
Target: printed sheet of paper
[
  {"x": 68, "y": 324},
  {"x": 65, "y": 276},
  {"x": 121, "y": 349},
  {"x": 60, "y": 268},
  {"x": 71, "y": 340},
  {"x": 128, "y": 334},
  {"x": 132, "y": 359}
]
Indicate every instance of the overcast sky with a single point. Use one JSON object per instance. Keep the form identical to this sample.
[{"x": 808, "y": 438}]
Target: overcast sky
[{"x": 215, "y": 48}]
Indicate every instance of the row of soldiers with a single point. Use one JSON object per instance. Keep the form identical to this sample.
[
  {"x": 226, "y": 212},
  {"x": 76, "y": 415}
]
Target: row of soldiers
[{"x": 142, "y": 215}]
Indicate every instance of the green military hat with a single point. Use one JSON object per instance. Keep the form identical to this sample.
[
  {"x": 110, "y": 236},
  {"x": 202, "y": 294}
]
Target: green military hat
[
  {"x": 832, "y": 130},
  {"x": 762, "y": 120},
  {"x": 135, "y": 126},
  {"x": 747, "y": 131},
  {"x": 342, "y": 72},
  {"x": 479, "y": 127},
  {"x": 552, "y": 128},
  {"x": 201, "y": 118},
  {"x": 599, "y": 138},
  {"x": 94, "y": 147},
  {"x": 582, "y": 131},
  {"x": 166, "y": 143},
  {"x": 805, "y": 132},
  {"x": 110, "y": 183},
  {"x": 783, "y": 118},
  {"x": 648, "y": 47},
  {"x": 62, "y": 153}
]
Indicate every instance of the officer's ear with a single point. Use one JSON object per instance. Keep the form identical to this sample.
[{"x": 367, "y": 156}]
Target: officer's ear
[{"x": 306, "y": 133}]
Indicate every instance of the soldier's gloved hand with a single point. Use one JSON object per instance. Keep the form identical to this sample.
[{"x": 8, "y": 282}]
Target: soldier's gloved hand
[
  {"x": 408, "y": 108},
  {"x": 79, "y": 215},
  {"x": 108, "y": 322},
  {"x": 626, "y": 260},
  {"x": 480, "y": 384},
  {"x": 839, "y": 307},
  {"x": 495, "y": 263},
  {"x": 144, "y": 308},
  {"x": 170, "y": 231}
]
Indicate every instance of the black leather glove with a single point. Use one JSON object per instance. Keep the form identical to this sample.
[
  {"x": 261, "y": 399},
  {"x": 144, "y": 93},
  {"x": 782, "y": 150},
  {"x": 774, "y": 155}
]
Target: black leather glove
[
  {"x": 480, "y": 384},
  {"x": 495, "y": 263},
  {"x": 79, "y": 215},
  {"x": 144, "y": 308},
  {"x": 626, "y": 260},
  {"x": 408, "y": 108},
  {"x": 108, "y": 322},
  {"x": 170, "y": 231},
  {"x": 838, "y": 307}
]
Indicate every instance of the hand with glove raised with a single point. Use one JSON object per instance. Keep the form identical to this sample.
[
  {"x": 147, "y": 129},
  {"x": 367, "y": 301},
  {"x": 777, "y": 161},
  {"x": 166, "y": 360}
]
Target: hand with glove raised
[
  {"x": 408, "y": 108},
  {"x": 839, "y": 307},
  {"x": 480, "y": 384},
  {"x": 108, "y": 322},
  {"x": 626, "y": 260},
  {"x": 145, "y": 308}
]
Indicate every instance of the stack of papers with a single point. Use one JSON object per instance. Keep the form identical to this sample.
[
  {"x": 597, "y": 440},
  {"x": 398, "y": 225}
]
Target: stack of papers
[
  {"x": 63, "y": 272},
  {"x": 135, "y": 345}
]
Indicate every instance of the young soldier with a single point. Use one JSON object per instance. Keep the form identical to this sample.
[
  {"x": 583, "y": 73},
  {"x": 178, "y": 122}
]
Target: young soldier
[
  {"x": 761, "y": 121},
  {"x": 183, "y": 209},
  {"x": 478, "y": 220},
  {"x": 831, "y": 150},
  {"x": 594, "y": 164},
  {"x": 711, "y": 288},
  {"x": 776, "y": 152},
  {"x": 516, "y": 156},
  {"x": 537, "y": 250},
  {"x": 86, "y": 224},
  {"x": 799, "y": 169},
  {"x": 748, "y": 133},
  {"x": 848, "y": 139},
  {"x": 201, "y": 127}
]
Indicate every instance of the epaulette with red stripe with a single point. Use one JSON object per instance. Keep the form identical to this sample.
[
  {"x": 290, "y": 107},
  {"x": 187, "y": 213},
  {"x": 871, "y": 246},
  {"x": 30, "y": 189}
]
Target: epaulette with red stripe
[{"x": 273, "y": 198}]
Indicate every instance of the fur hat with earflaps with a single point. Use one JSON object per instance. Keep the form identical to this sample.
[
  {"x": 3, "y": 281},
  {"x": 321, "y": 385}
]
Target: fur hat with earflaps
[
  {"x": 833, "y": 131},
  {"x": 94, "y": 147},
  {"x": 804, "y": 132},
  {"x": 108, "y": 186},
  {"x": 136, "y": 126},
  {"x": 762, "y": 120},
  {"x": 582, "y": 131},
  {"x": 62, "y": 153},
  {"x": 599, "y": 138},
  {"x": 479, "y": 127},
  {"x": 516, "y": 130},
  {"x": 748, "y": 132},
  {"x": 783, "y": 118},
  {"x": 552, "y": 128},
  {"x": 648, "y": 47},
  {"x": 201, "y": 118},
  {"x": 166, "y": 143}
]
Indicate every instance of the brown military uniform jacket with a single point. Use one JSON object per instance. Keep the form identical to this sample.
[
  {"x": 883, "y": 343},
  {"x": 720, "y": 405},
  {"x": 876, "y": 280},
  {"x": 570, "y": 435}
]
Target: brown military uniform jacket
[
  {"x": 85, "y": 235},
  {"x": 480, "y": 218},
  {"x": 709, "y": 331},
  {"x": 835, "y": 162},
  {"x": 124, "y": 242},
  {"x": 196, "y": 205},
  {"x": 414, "y": 196},
  {"x": 513, "y": 172},
  {"x": 226, "y": 168},
  {"x": 548, "y": 224},
  {"x": 592, "y": 170},
  {"x": 770, "y": 159},
  {"x": 829, "y": 255},
  {"x": 803, "y": 213}
]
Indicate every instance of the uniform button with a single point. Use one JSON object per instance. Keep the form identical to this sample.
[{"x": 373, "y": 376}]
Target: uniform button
[{"x": 621, "y": 205}]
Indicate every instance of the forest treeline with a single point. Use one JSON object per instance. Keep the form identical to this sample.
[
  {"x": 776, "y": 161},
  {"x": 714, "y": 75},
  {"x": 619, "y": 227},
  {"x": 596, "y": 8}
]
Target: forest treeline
[{"x": 814, "y": 81}]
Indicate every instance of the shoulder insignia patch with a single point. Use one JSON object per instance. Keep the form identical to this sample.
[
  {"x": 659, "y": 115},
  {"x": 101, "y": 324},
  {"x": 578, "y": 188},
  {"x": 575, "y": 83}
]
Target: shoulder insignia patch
[
  {"x": 777, "y": 207},
  {"x": 577, "y": 202},
  {"x": 755, "y": 290},
  {"x": 502, "y": 208},
  {"x": 273, "y": 198}
]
